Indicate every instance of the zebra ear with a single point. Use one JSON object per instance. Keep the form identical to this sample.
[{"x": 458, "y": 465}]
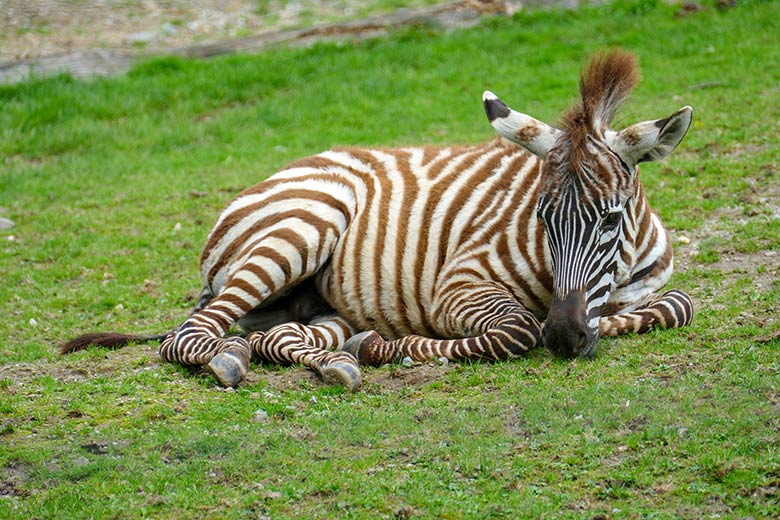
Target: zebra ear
[
  {"x": 530, "y": 133},
  {"x": 652, "y": 140}
]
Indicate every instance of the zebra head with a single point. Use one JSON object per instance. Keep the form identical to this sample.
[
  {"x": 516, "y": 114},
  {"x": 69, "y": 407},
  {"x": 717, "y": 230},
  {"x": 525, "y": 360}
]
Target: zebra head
[{"x": 588, "y": 179}]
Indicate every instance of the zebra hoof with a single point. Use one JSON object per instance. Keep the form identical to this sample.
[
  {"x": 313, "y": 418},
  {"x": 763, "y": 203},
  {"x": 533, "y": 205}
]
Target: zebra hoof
[
  {"x": 365, "y": 348},
  {"x": 228, "y": 368},
  {"x": 342, "y": 373},
  {"x": 358, "y": 342}
]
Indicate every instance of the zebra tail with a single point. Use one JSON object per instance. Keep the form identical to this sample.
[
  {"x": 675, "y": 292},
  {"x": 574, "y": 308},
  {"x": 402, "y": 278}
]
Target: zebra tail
[{"x": 110, "y": 340}]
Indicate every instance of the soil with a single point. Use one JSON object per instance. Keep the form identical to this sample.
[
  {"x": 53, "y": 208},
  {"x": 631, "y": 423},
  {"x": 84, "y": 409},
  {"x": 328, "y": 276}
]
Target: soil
[
  {"x": 42, "y": 37},
  {"x": 763, "y": 266},
  {"x": 143, "y": 358}
]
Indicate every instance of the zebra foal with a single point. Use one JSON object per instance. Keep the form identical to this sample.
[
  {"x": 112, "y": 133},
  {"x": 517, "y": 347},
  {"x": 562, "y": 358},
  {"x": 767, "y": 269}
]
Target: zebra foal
[{"x": 363, "y": 256}]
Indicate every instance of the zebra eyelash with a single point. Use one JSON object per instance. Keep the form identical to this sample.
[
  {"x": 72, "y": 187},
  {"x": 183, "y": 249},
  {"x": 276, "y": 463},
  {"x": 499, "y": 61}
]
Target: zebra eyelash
[
  {"x": 611, "y": 215},
  {"x": 612, "y": 219}
]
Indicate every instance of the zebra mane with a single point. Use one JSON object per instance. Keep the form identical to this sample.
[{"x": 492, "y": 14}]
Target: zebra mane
[{"x": 605, "y": 84}]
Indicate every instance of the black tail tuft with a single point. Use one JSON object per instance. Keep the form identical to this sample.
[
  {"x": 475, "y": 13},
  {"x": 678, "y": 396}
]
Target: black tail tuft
[{"x": 106, "y": 339}]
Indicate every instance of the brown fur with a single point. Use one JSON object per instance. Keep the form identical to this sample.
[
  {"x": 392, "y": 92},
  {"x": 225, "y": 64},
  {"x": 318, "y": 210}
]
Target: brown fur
[
  {"x": 631, "y": 136},
  {"x": 528, "y": 133},
  {"x": 605, "y": 84}
]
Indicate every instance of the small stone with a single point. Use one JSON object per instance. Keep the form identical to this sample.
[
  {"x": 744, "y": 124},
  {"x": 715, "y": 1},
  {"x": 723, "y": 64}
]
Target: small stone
[
  {"x": 689, "y": 8},
  {"x": 444, "y": 361},
  {"x": 725, "y": 4},
  {"x": 33, "y": 322},
  {"x": 6, "y": 223},
  {"x": 406, "y": 512},
  {"x": 260, "y": 415},
  {"x": 169, "y": 29},
  {"x": 81, "y": 461},
  {"x": 683, "y": 239},
  {"x": 177, "y": 227},
  {"x": 407, "y": 361},
  {"x": 141, "y": 37}
]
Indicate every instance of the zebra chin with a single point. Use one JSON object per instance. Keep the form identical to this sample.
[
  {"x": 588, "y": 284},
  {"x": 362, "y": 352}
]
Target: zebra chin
[{"x": 565, "y": 332}]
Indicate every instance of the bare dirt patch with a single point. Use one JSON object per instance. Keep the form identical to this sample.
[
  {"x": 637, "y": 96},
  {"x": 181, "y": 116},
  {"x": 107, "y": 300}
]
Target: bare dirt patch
[
  {"x": 762, "y": 202},
  {"x": 387, "y": 379},
  {"x": 393, "y": 378},
  {"x": 762, "y": 266},
  {"x": 12, "y": 476},
  {"x": 142, "y": 358},
  {"x": 68, "y": 369}
]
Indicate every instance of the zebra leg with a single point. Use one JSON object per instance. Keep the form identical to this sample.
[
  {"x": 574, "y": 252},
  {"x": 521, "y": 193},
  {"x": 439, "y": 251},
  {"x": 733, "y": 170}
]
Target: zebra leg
[
  {"x": 311, "y": 346},
  {"x": 226, "y": 358},
  {"x": 669, "y": 310},
  {"x": 199, "y": 340},
  {"x": 486, "y": 320},
  {"x": 274, "y": 263}
]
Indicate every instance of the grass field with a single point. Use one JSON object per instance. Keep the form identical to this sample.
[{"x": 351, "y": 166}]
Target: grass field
[{"x": 113, "y": 185}]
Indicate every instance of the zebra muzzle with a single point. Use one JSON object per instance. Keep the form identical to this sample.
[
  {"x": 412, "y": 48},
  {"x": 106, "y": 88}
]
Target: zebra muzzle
[{"x": 565, "y": 332}]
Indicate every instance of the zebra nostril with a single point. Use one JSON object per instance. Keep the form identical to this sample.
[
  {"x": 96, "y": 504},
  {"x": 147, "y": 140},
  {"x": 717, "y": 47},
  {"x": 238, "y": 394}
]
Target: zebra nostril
[
  {"x": 582, "y": 340},
  {"x": 563, "y": 340}
]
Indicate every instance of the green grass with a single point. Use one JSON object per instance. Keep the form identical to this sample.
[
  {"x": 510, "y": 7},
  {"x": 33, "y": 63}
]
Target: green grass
[{"x": 97, "y": 175}]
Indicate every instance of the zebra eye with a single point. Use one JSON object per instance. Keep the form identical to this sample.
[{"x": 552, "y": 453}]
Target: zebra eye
[{"x": 611, "y": 220}]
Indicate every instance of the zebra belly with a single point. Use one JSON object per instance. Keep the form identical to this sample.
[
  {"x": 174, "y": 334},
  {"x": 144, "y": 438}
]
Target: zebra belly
[{"x": 369, "y": 300}]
